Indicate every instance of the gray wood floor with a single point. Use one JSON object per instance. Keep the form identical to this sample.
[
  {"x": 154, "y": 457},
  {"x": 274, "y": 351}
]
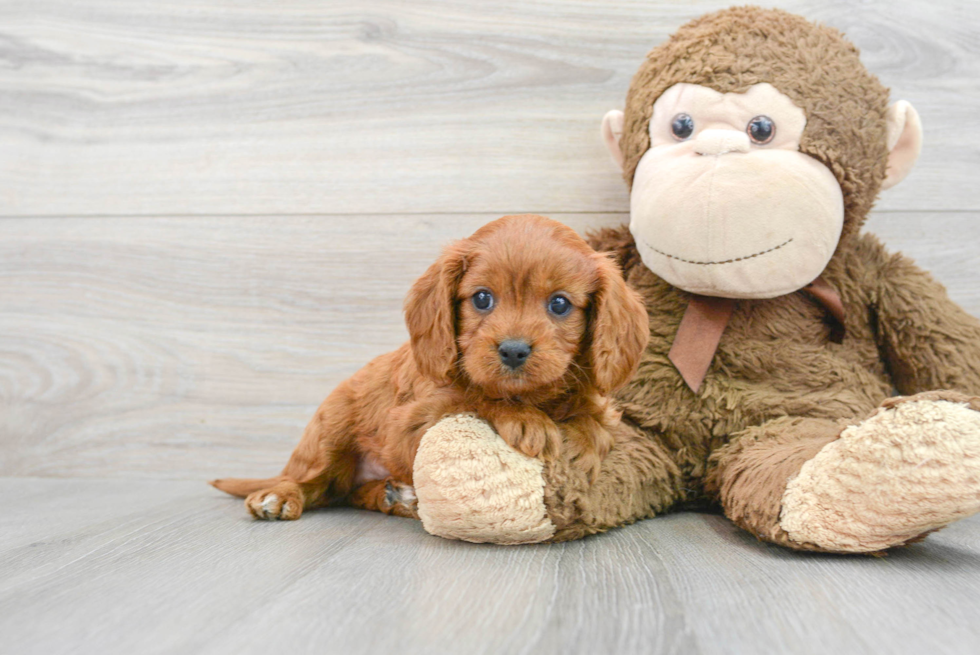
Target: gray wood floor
[
  {"x": 209, "y": 215},
  {"x": 112, "y": 566}
]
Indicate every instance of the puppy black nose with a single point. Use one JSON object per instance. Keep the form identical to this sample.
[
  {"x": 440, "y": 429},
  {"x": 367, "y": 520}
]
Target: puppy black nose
[{"x": 514, "y": 352}]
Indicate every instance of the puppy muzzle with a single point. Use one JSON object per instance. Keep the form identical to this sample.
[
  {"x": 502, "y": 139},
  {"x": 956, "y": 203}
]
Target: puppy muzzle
[{"x": 514, "y": 353}]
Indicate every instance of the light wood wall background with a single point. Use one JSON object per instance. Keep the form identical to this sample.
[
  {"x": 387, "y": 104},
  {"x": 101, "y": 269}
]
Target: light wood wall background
[{"x": 210, "y": 212}]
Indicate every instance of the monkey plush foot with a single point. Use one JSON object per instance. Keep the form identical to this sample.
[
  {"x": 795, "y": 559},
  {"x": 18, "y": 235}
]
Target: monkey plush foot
[
  {"x": 911, "y": 468},
  {"x": 472, "y": 486}
]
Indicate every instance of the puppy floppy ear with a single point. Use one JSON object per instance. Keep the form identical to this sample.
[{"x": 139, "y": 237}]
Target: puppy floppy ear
[
  {"x": 430, "y": 313},
  {"x": 620, "y": 329}
]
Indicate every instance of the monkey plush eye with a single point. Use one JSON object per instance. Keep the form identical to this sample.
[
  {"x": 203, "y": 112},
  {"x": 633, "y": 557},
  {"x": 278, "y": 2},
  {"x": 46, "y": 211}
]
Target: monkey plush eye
[
  {"x": 559, "y": 305},
  {"x": 682, "y": 127},
  {"x": 761, "y": 129},
  {"x": 483, "y": 300}
]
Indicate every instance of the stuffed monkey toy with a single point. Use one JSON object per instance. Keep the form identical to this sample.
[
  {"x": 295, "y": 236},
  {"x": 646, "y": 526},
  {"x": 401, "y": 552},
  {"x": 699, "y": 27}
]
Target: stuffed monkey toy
[{"x": 754, "y": 144}]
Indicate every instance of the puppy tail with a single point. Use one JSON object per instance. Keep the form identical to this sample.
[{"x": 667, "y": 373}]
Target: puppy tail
[{"x": 242, "y": 487}]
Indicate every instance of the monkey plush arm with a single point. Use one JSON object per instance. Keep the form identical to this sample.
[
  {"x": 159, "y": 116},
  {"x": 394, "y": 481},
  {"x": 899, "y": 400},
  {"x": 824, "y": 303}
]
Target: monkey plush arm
[{"x": 928, "y": 341}]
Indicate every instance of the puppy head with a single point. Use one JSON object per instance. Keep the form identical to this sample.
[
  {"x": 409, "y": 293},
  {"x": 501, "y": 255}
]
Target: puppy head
[{"x": 525, "y": 305}]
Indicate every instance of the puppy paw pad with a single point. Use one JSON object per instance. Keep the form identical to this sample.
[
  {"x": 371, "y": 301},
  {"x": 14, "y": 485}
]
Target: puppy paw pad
[
  {"x": 269, "y": 502},
  {"x": 271, "y": 506}
]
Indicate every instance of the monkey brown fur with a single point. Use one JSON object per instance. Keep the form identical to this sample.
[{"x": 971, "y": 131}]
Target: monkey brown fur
[
  {"x": 794, "y": 435},
  {"x": 732, "y": 50}
]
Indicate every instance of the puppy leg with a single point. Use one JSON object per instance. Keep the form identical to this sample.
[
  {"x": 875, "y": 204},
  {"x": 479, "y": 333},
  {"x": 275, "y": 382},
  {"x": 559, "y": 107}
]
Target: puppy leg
[
  {"x": 389, "y": 496},
  {"x": 283, "y": 501},
  {"x": 321, "y": 467}
]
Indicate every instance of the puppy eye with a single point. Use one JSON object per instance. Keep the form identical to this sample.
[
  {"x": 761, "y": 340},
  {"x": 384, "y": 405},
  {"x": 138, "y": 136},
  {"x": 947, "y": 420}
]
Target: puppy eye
[
  {"x": 682, "y": 127},
  {"x": 761, "y": 129},
  {"x": 559, "y": 305},
  {"x": 483, "y": 300}
]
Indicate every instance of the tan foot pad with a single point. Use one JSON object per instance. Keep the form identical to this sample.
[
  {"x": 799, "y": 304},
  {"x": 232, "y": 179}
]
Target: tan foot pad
[
  {"x": 909, "y": 469},
  {"x": 472, "y": 486}
]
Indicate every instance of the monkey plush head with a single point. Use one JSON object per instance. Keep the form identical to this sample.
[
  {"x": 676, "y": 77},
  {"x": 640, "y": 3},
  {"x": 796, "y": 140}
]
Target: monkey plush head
[{"x": 754, "y": 142}]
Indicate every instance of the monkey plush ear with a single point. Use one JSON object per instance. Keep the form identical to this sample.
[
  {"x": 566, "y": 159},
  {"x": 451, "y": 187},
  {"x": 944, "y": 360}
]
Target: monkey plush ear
[
  {"x": 612, "y": 129},
  {"x": 904, "y": 141}
]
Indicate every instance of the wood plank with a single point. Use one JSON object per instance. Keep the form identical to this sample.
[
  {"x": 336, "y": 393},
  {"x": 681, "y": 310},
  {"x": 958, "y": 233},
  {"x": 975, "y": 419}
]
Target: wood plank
[
  {"x": 393, "y": 106},
  {"x": 153, "y": 337},
  {"x": 199, "y": 347},
  {"x": 190, "y": 573},
  {"x": 39, "y": 513}
]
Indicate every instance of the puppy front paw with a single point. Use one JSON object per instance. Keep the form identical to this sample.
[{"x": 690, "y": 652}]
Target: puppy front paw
[
  {"x": 528, "y": 431},
  {"x": 282, "y": 502}
]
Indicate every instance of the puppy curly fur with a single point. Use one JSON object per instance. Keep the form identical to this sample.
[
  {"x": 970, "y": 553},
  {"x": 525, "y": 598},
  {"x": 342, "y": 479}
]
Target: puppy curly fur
[{"x": 361, "y": 443}]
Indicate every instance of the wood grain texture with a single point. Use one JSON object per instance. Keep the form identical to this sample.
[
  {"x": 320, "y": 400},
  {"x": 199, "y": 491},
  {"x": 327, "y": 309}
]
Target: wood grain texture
[
  {"x": 189, "y": 572},
  {"x": 189, "y": 346},
  {"x": 209, "y": 216},
  {"x": 177, "y": 107},
  {"x": 199, "y": 347}
]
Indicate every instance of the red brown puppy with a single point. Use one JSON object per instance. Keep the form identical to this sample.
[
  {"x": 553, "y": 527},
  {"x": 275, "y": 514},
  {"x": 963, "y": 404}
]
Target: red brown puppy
[{"x": 522, "y": 323}]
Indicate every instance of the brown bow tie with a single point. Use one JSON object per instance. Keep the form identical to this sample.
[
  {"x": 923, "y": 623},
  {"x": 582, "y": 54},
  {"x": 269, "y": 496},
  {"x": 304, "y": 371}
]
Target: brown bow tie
[{"x": 705, "y": 320}]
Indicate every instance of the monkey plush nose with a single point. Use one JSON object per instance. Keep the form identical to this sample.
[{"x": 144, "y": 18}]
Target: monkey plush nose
[
  {"x": 514, "y": 352},
  {"x": 721, "y": 142}
]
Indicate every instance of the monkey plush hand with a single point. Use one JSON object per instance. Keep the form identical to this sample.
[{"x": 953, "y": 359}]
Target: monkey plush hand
[{"x": 754, "y": 144}]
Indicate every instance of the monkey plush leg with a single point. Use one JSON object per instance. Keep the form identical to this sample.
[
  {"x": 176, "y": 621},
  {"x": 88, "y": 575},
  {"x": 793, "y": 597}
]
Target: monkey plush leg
[
  {"x": 909, "y": 469},
  {"x": 472, "y": 486},
  {"x": 750, "y": 473},
  {"x": 636, "y": 480}
]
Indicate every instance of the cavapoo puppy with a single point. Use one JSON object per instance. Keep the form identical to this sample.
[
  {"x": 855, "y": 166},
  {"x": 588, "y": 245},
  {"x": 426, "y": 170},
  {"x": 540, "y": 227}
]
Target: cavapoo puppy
[{"x": 522, "y": 324}]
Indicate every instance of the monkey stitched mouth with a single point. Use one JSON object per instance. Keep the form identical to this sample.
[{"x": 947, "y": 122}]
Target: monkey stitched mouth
[{"x": 727, "y": 261}]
